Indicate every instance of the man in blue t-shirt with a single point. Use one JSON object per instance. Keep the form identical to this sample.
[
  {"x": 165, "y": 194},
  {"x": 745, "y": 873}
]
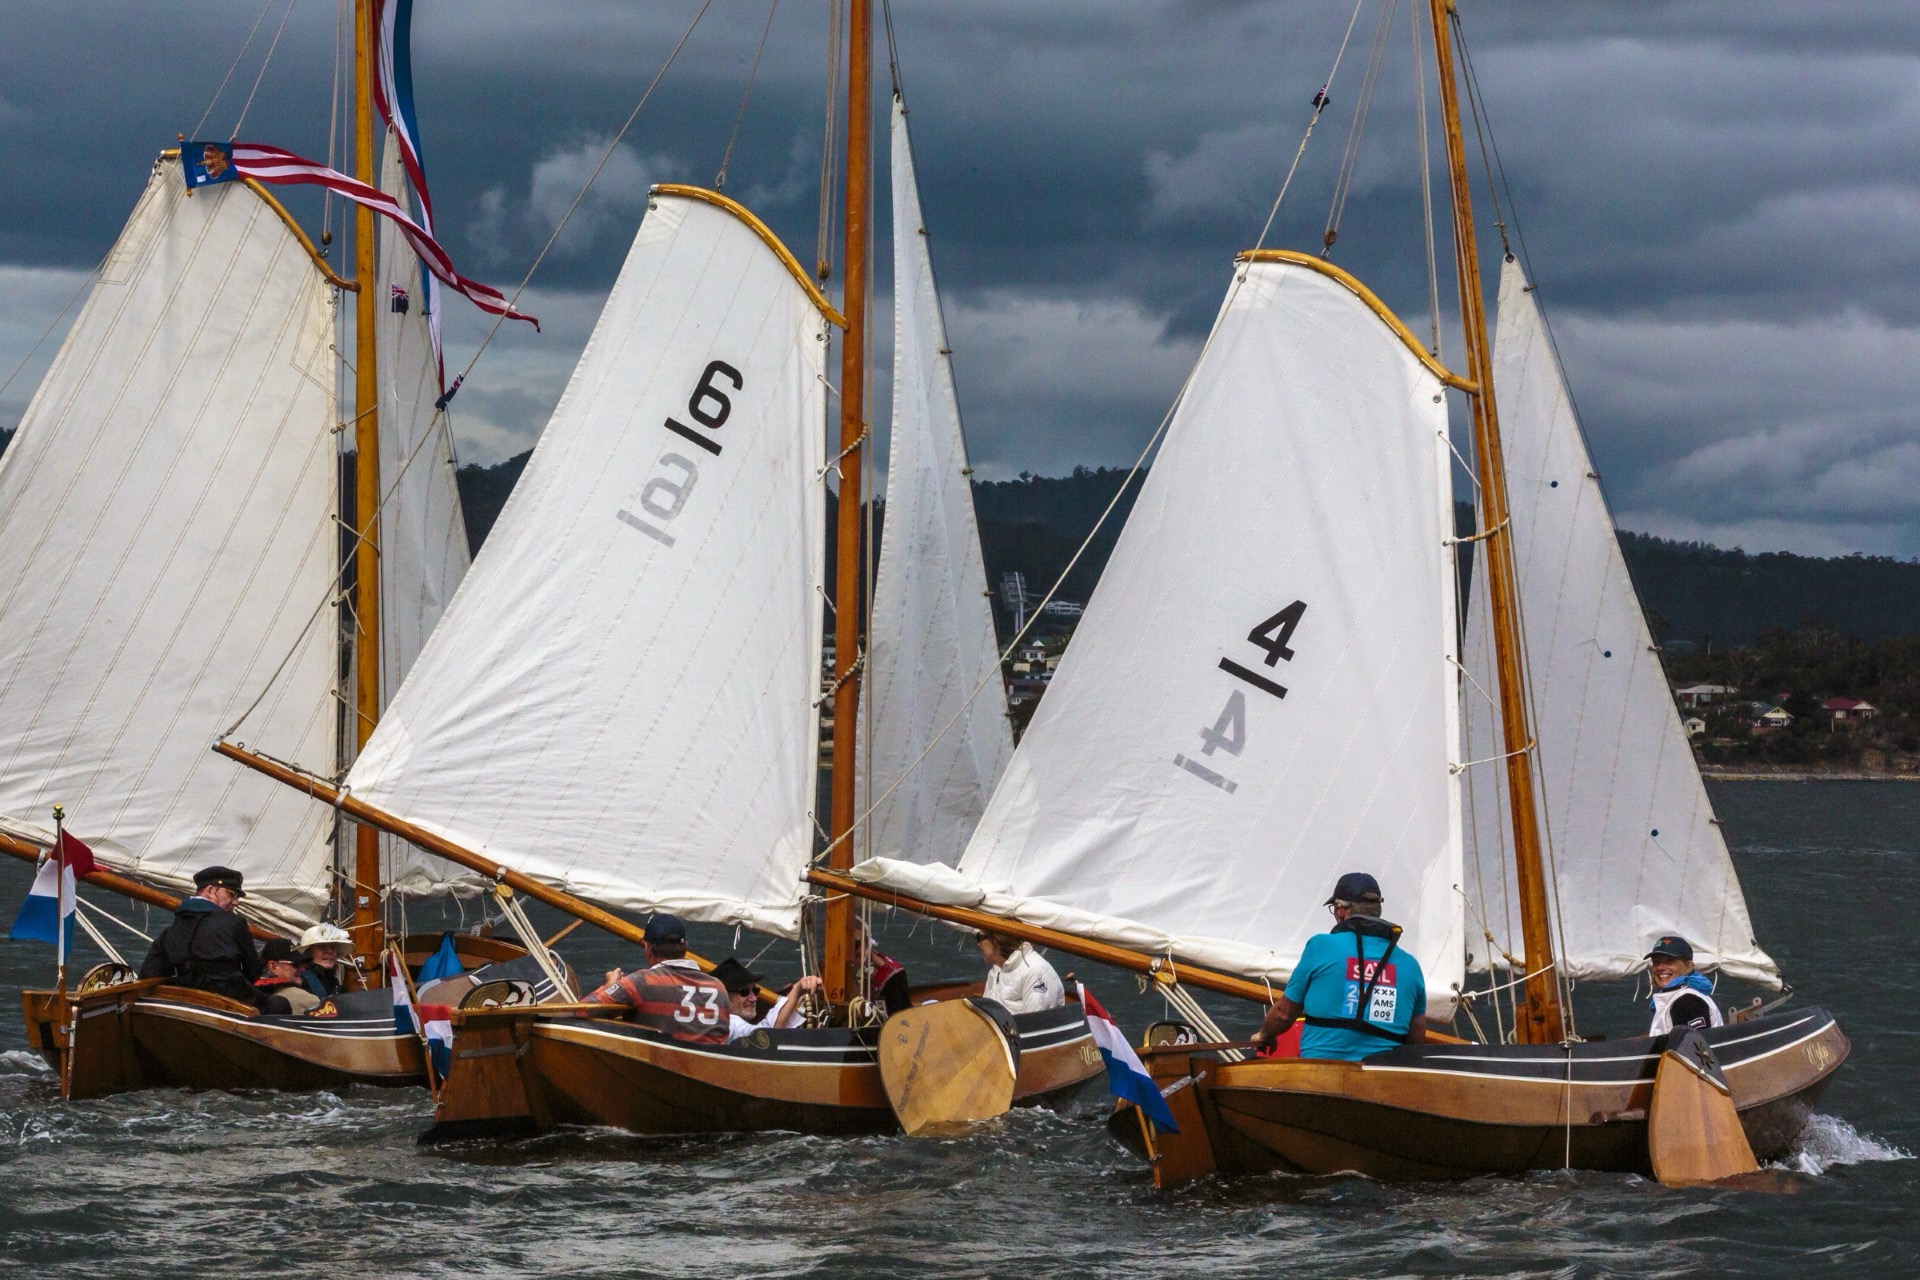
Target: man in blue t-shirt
[{"x": 1357, "y": 991}]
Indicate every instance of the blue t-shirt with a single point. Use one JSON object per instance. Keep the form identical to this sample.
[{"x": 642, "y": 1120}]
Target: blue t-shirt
[{"x": 1327, "y": 982}]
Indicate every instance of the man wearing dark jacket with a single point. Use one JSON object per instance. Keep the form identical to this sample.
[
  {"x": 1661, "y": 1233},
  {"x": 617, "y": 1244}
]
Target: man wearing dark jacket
[{"x": 208, "y": 947}]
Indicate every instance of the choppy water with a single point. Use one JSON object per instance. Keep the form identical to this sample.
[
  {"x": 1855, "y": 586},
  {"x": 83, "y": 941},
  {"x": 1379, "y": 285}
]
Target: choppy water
[{"x": 171, "y": 1183}]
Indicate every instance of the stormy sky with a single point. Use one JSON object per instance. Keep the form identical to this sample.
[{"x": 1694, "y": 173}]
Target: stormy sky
[{"x": 1720, "y": 201}]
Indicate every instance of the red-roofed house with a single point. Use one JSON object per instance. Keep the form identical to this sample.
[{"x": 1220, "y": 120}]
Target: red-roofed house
[{"x": 1841, "y": 709}]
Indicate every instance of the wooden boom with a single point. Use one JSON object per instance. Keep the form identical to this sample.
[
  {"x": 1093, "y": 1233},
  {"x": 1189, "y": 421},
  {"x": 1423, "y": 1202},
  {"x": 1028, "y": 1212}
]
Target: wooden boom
[
  {"x": 1159, "y": 968},
  {"x": 368, "y": 816},
  {"x": 116, "y": 883}
]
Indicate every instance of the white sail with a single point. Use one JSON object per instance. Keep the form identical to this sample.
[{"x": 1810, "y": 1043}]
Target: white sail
[
  {"x": 932, "y": 643},
  {"x": 1636, "y": 850},
  {"x": 1292, "y": 534},
  {"x": 423, "y": 538},
  {"x": 166, "y": 536},
  {"x": 620, "y": 699}
]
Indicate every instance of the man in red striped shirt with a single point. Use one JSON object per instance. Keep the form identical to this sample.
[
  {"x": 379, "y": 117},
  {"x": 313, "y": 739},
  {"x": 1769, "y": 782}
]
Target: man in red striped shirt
[{"x": 671, "y": 995}]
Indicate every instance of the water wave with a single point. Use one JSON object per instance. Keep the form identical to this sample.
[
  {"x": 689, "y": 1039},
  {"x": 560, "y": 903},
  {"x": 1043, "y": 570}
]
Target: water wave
[{"x": 1829, "y": 1140}]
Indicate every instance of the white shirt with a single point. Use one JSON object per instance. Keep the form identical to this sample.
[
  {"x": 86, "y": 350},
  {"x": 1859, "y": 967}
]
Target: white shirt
[
  {"x": 785, "y": 1013},
  {"x": 1025, "y": 983}
]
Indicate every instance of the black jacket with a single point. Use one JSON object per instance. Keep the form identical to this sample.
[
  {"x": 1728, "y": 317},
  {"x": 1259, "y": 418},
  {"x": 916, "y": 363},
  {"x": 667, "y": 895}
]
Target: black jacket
[{"x": 207, "y": 948}]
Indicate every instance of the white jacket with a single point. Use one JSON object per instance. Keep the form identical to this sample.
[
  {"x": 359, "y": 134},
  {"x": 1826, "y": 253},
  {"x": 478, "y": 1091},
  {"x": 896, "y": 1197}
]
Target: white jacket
[
  {"x": 1026, "y": 983},
  {"x": 1663, "y": 1010}
]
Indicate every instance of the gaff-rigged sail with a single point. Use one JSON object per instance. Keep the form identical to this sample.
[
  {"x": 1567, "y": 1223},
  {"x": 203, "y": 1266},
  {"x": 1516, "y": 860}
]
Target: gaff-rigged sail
[
  {"x": 620, "y": 701},
  {"x": 166, "y": 533},
  {"x": 1260, "y": 694},
  {"x": 932, "y": 643},
  {"x": 1635, "y": 849},
  {"x": 423, "y": 538}
]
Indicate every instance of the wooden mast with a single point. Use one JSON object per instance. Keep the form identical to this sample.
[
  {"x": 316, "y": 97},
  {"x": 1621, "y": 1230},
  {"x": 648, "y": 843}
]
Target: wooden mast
[
  {"x": 1541, "y": 1019},
  {"x": 369, "y": 939},
  {"x": 839, "y": 964}
]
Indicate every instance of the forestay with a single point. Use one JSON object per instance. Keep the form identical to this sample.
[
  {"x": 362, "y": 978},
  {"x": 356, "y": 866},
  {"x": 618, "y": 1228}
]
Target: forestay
[
  {"x": 1260, "y": 694},
  {"x": 1636, "y": 851},
  {"x": 166, "y": 534},
  {"x": 423, "y": 538},
  {"x": 932, "y": 642},
  {"x": 620, "y": 699}
]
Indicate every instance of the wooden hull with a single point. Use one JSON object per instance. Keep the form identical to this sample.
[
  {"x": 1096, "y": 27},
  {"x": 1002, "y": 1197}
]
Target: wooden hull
[
  {"x": 518, "y": 1072},
  {"x": 144, "y": 1035},
  {"x": 1460, "y": 1111}
]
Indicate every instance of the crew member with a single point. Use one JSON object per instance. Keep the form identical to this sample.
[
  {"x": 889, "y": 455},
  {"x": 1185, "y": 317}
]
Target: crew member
[
  {"x": 1681, "y": 998},
  {"x": 1358, "y": 993},
  {"x": 282, "y": 976},
  {"x": 320, "y": 949},
  {"x": 886, "y": 977},
  {"x": 1019, "y": 977},
  {"x": 671, "y": 995},
  {"x": 208, "y": 947},
  {"x": 743, "y": 996}
]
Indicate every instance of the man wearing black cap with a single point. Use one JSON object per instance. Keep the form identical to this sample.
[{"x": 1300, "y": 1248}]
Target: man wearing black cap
[
  {"x": 1681, "y": 998},
  {"x": 1358, "y": 993},
  {"x": 671, "y": 995},
  {"x": 208, "y": 947}
]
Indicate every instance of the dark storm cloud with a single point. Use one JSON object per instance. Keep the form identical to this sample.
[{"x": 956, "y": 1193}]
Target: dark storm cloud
[{"x": 1720, "y": 200}]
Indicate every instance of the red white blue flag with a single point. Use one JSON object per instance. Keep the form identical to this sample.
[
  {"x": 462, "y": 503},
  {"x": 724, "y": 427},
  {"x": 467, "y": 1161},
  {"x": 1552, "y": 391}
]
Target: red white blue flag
[
  {"x": 1126, "y": 1077},
  {"x": 47, "y": 914},
  {"x": 206, "y": 163}
]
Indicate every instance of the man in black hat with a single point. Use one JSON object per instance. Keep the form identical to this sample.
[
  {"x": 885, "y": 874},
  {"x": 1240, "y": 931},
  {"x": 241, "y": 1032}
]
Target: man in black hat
[
  {"x": 743, "y": 996},
  {"x": 208, "y": 947},
  {"x": 1358, "y": 993},
  {"x": 1681, "y": 998},
  {"x": 672, "y": 995}
]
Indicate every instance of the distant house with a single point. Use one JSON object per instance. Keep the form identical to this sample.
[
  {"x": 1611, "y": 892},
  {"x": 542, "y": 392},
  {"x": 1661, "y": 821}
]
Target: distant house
[
  {"x": 1031, "y": 653},
  {"x": 1063, "y": 608},
  {"x": 1841, "y": 710},
  {"x": 1702, "y": 695},
  {"x": 1773, "y": 718},
  {"x": 1695, "y": 726}
]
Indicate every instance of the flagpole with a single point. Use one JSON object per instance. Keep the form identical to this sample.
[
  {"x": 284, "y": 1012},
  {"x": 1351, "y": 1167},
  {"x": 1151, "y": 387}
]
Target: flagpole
[{"x": 60, "y": 898}]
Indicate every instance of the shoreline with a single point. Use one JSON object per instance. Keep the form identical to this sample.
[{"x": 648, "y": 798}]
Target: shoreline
[{"x": 1802, "y": 775}]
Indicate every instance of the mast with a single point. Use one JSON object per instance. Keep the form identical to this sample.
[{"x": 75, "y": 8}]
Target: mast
[
  {"x": 368, "y": 939},
  {"x": 1541, "y": 1019},
  {"x": 839, "y": 965}
]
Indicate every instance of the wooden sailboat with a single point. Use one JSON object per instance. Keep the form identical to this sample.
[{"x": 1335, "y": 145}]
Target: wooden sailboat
[
  {"x": 170, "y": 525},
  {"x": 621, "y": 706},
  {"x": 1299, "y": 718}
]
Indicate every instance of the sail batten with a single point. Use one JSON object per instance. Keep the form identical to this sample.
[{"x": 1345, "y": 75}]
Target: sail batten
[
  {"x": 1259, "y": 696},
  {"x": 166, "y": 533},
  {"x": 619, "y": 701},
  {"x": 940, "y": 735},
  {"x": 1635, "y": 849}
]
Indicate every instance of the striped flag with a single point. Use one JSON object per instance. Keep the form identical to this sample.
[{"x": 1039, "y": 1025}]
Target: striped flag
[
  {"x": 1127, "y": 1078},
  {"x": 393, "y": 97},
  {"x": 47, "y": 914},
  {"x": 279, "y": 166}
]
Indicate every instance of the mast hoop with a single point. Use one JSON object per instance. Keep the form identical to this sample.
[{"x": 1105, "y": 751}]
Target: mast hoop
[
  {"x": 765, "y": 233},
  {"x": 1366, "y": 295}
]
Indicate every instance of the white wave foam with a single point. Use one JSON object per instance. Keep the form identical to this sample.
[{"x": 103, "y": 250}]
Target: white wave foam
[
  {"x": 1829, "y": 1140},
  {"x": 23, "y": 1062}
]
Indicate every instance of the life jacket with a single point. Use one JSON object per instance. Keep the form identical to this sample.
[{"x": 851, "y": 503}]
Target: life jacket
[
  {"x": 884, "y": 969},
  {"x": 222, "y": 974},
  {"x": 1363, "y": 927},
  {"x": 1662, "y": 1003},
  {"x": 680, "y": 1002}
]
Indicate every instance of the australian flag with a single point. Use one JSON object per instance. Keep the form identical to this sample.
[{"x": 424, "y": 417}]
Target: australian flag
[{"x": 206, "y": 163}]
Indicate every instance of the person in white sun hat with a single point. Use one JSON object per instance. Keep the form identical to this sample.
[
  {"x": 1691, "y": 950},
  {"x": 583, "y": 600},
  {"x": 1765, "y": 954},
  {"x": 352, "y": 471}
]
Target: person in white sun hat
[{"x": 321, "y": 946}]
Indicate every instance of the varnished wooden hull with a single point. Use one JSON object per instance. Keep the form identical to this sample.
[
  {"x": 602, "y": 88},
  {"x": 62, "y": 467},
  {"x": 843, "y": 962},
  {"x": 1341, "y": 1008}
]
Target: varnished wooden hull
[
  {"x": 517, "y": 1072},
  {"x": 1458, "y": 1111},
  {"x": 143, "y": 1035}
]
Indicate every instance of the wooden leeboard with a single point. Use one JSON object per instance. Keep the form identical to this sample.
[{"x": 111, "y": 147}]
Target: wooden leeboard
[
  {"x": 945, "y": 1066},
  {"x": 1693, "y": 1130}
]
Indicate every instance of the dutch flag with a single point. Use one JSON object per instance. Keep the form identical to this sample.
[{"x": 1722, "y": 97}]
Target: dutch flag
[
  {"x": 51, "y": 899},
  {"x": 1126, "y": 1078},
  {"x": 433, "y": 1023}
]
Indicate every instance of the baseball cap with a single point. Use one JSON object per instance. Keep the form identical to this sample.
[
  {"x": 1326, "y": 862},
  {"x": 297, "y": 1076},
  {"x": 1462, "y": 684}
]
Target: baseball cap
[
  {"x": 1674, "y": 945},
  {"x": 664, "y": 927},
  {"x": 1354, "y": 886}
]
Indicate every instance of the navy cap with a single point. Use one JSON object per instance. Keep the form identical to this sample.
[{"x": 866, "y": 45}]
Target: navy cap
[
  {"x": 1354, "y": 886},
  {"x": 1674, "y": 945},
  {"x": 224, "y": 877},
  {"x": 664, "y": 927}
]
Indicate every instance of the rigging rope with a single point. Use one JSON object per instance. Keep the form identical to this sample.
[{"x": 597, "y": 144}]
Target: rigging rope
[
  {"x": 829, "y": 144},
  {"x": 720, "y": 179},
  {"x": 1426, "y": 187},
  {"x": 215, "y": 100},
  {"x": 265, "y": 62},
  {"x": 1363, "y": 106},
  {"x": 1320, "y": 101}
]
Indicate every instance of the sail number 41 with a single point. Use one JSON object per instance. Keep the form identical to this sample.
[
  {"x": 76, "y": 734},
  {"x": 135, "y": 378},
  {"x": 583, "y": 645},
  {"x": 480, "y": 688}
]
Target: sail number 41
[
  {"x": 1228, "y": 733},
  {"x": 664, "y": 496}
]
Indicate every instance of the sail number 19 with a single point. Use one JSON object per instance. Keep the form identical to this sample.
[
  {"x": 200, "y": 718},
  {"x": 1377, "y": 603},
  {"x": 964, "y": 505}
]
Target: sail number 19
[
  {"x": 1228, "y": 733},
  {"x": 664, "y": 495}
]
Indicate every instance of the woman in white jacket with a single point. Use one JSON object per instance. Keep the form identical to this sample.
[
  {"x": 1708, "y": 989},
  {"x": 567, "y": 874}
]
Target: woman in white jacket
[{"x": 1018, "y": 976}]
